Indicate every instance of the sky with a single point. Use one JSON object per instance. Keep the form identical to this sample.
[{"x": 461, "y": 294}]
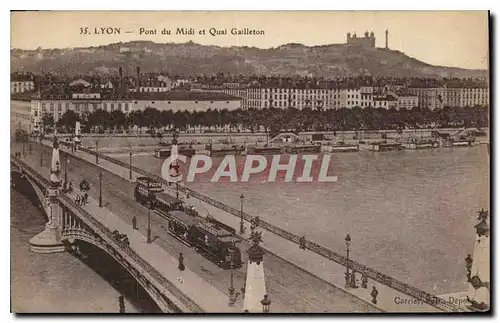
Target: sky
[{"x": 448, "y": 38}]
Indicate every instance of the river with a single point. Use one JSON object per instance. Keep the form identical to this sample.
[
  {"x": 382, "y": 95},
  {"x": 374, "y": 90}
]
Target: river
[{"x": 410, "y": 214}]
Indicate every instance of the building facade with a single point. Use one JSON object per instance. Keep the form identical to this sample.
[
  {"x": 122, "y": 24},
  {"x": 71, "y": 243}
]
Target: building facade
[
  {"x": 56, "y": 104},
  {"x": 21, "y": 83},
  {"x": 440, "y": 97}
]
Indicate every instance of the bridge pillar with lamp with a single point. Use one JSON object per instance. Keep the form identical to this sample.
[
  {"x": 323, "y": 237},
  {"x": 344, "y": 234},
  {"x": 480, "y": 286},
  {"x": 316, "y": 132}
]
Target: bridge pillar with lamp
[{"x": 49, "y": 240}]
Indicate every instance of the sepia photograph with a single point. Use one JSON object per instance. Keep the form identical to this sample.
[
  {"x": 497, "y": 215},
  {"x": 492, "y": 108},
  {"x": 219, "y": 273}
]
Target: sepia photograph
[{"x": 250, "y": 162}]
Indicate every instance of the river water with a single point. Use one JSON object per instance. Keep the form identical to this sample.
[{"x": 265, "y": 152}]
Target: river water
[
  {"x": 410, "y": 214},
  {"x": 52, "y": 283}
]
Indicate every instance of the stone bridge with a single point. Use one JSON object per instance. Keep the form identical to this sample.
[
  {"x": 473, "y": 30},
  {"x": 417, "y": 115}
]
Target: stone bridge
[{"x": 68, "y": 223}]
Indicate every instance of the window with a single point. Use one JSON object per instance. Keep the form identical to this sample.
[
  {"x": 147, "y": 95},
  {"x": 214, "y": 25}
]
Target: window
[
  {"x": 112, "y": 106},
  {"x": 104, "y": 106}
]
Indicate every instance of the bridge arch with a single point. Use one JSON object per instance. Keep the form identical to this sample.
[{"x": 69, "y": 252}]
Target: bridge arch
[
  {"x": 24, "y": 185},
  {"x": 72, "y": 236}
]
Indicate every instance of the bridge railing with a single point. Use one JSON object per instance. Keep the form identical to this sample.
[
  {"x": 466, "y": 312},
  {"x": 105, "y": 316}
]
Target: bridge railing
[
  {"x": 321, "y": 250},
  {"x": 100, "y": 228}
]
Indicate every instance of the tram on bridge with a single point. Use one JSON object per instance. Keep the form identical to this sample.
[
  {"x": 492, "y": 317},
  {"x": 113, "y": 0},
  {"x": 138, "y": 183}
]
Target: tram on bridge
[{"x": 211, "y": 238}]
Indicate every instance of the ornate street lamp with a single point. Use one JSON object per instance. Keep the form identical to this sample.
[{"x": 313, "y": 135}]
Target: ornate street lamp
[
  {"x": 266, "y": 302},
  {"x": 347, "y": 245},
  {"x": 97, "y": 152},
  {"x": 66, "y": 171},
  {"x": 130, "y": 166},
  {"x": 151, "y": 199},
  {"x": 100, "y": 189},
  {"x": 242, "y": 228},
  {"x": 232, "y": 299}
]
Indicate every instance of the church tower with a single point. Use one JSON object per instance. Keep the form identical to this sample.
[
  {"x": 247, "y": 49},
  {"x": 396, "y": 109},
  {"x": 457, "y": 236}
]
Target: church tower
[
  {"x": 256, "y": 298},
  {"x": 478, "y": 266}
]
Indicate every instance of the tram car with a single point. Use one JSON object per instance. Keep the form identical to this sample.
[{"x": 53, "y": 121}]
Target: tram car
[
  {"x": 211, "y": 238},
  {"x": 207, "y": 237},
  {"x": 147, "y": 190}
]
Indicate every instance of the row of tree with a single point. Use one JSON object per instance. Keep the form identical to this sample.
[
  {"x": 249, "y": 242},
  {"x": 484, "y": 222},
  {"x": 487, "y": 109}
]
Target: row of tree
[{"x": 270, "y": 119}]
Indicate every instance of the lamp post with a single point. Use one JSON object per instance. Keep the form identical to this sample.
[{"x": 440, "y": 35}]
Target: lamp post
[
  {"x": 266, "y": 302},
  {"x": 97, "y": 152},
  {"x": 150, "y": 205},
  {"x": 100, "y": 189},
  {"x": 232, "y": 299},
  {"x": 242, "y": 229},
  {"x": 347, "y": 245},
  {"x": 177, "y": 190},
  {"x": 24, "y": 151},
  {"x": 130, "y": 166},
  {"x": 66, "y": 171}
]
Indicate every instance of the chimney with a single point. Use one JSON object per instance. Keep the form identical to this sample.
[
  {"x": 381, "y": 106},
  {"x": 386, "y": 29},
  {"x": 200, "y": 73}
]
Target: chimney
[
  {"x": 121, "y": 78},
  {"x": 138, "y": 85},
  {"x": 386, "y": 39}
]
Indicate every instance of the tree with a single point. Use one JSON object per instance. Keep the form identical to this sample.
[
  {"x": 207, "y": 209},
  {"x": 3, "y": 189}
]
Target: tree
[
  {"x": 48, "y": 121},
  {"x": 118, "y": 119},
  {"x": 68, "y": 121}
]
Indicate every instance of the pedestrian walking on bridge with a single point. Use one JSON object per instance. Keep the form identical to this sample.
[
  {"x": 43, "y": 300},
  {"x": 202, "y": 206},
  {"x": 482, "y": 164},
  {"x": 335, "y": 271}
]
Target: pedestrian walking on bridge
[
  {"x": 374, "y": 295},
  {"x": 134, "y": 223},
  {"x": 181, "y": 262}
]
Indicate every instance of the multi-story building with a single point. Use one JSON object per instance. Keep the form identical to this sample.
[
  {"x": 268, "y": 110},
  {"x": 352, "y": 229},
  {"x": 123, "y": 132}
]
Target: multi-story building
[
  {"x": 457, "y": 96},
  {"x": 233, "y": 89},
  {"x": 428, "y": 97},
  {"x": 20, "y": 83},
  {"x": 366, "y": 95},
  {"x": 386, "y": 101},
  {"x": 159, "y": 83},
  {"x": 407, "y": 101}
]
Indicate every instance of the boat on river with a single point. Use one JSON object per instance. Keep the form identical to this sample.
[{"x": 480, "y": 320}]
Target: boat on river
[
  {"x": 422, "y": 143},
  {"x": 341, "y": 147},
  {"x": 384, "y": 146}
]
